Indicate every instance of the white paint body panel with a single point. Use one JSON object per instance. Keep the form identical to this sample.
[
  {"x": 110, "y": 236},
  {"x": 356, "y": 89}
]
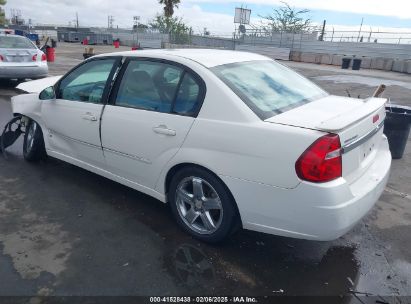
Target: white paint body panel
[
  {"x": 254, "y": 158},
  {"x": 134, "y": 145},
  {"x": 72, "y": 132},
  {"x": 311, "y": 211}
]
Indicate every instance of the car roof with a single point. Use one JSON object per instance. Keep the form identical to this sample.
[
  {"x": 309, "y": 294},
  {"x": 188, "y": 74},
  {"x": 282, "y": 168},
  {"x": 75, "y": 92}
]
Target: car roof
[
  {"x": 206, "y": 57},
  {"x": 11, "y": 35}
]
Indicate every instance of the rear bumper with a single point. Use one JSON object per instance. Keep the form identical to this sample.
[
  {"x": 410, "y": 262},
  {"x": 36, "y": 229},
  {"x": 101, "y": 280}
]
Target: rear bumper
[
  {"x": 32, "y": 72},
  {"x": 311, "y": 211}
]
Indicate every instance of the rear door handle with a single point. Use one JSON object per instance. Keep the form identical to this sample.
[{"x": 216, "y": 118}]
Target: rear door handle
[
  {"x": 89, "y": 116},
  {"x": 162, "y": 129}
]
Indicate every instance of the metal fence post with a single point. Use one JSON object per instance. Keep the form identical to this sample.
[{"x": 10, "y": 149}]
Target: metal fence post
[
  {"x": 281, "y": 37},
  {"x": 301, "y": 38}
]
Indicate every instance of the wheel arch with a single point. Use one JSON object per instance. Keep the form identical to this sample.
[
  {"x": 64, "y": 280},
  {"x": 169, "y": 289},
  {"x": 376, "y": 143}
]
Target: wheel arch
[
  {"x": 177, "y": 167},
  {"x": 39, "y": 122}
]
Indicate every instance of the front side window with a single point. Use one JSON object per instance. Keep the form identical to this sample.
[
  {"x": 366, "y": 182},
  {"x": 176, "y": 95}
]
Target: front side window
[
  {"x": 12, "y": 42},
  {"x": 87, "y": 82},
  {"x": 149, "y": 85},
  {"x": 267, "y": 87}
]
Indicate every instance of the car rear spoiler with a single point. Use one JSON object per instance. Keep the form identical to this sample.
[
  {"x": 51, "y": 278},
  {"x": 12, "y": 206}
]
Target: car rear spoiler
[{"x": 347, "y": 119}]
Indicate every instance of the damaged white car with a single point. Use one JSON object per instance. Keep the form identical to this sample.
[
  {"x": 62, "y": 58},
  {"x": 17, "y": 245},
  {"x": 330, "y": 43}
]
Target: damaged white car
[{"x": 228, "y": 139}]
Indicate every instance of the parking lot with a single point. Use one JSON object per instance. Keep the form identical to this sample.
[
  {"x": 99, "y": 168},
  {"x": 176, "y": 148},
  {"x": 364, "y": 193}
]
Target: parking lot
[{"x": 66, "y": 231}]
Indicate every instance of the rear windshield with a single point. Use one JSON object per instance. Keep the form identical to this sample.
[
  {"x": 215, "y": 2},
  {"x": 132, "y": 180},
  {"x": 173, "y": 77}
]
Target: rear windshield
[
  {"x": 267, "y": 87},
  {"x": 8, "y": 42}
]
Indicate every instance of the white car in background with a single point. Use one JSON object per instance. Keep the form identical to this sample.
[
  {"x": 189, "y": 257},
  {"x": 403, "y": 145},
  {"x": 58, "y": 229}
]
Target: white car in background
[
  {"x": 20, "y": 58},
  {"x": 228, "y": 139}
]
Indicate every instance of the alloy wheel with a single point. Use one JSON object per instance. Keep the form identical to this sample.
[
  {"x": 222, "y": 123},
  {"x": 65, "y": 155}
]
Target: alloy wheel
[{"x": 199, "y": 205}]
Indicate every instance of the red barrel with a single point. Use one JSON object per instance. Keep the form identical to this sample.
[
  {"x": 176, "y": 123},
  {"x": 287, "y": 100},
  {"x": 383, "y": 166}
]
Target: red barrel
[
  {"x": 50, "y": 54},
  {"x": 116, "y": 44},
  {"x": 85, "y": 41}
]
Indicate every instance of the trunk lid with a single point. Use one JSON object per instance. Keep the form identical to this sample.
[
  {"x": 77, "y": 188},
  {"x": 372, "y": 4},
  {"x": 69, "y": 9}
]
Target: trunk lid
[
  {"x": 18, "y": 55},
  {"x": 358, "y": 122}
]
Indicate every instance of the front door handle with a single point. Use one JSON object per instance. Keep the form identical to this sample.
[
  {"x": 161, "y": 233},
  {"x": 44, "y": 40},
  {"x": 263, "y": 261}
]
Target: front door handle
[
  {"x": 162, "y": 129},
  {"x": 89, "y": 116}
]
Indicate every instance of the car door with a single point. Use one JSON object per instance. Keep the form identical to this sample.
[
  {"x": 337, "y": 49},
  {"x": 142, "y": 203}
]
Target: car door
[
  {"x": 151, "y": 110},
  {"x": 73, "y": 118}
]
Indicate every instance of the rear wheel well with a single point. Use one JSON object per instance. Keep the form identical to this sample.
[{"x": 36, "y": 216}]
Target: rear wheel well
[
  {"x": 181, "y": 166},
  {"x": 177, "y": 168}
]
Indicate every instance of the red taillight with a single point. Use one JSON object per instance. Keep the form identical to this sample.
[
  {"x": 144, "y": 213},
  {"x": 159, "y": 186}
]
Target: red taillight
[
  {"x": 43, "y": 57},
  {"x": 321, "y": 162},
  {"x": 375, "y": 118}
]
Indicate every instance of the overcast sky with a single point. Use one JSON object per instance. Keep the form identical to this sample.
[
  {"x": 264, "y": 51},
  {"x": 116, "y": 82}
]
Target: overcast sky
[{"x": 216, "y": 15}]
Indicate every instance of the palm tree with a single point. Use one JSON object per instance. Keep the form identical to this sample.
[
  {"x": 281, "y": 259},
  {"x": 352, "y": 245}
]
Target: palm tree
[
  {"x": 2, "y": 14},
  {"x": 168, "y": 6}
]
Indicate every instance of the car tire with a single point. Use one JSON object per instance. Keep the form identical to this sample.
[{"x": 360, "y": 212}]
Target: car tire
[
  {"x": 209, "y": 214},
  {"x": 33, "y": 145}
]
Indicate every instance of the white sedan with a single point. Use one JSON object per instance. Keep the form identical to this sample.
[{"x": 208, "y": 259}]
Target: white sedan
[
  {"x": 227, "y": 139},
  {"x": 20, "y": 58}
]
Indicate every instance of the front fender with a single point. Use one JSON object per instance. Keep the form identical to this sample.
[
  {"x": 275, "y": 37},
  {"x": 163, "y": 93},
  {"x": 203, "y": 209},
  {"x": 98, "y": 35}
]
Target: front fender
[{"x": 28, "y": 105}]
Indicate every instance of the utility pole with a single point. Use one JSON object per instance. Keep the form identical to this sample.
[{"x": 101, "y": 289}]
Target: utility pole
[
  {"x": 110, "y": 21},
  {"x": 77, "y": 20}
]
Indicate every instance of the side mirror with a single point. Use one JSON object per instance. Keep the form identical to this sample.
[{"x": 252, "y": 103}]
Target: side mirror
[{"x": 47, "y": 94}]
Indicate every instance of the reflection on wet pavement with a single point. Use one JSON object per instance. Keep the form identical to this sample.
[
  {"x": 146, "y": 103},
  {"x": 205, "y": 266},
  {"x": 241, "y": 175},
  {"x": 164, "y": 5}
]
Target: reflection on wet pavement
[{"x": 120, "y": 242}]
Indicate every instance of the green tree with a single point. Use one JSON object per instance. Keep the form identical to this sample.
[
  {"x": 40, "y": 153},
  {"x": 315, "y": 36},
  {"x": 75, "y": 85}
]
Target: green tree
[
  {"x": 287, "y": 19},
  {"x": 140, "y": 27},
  {"x": 2, "y": 14},
  {"x": 169, "y": 6},
  {"x": 178, "y": 30}
]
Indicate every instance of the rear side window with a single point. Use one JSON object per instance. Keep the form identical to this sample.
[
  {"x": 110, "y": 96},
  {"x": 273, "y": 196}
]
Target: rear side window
[
  {"x": 158, "y": 86},
  {"x": 267, "y": 87},
  {"x": 149, "y": 85},
  {"x": 10, "y": 42}
]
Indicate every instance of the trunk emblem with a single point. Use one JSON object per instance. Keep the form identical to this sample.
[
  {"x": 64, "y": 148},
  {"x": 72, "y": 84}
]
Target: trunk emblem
[{"x": 375, "y": 118}]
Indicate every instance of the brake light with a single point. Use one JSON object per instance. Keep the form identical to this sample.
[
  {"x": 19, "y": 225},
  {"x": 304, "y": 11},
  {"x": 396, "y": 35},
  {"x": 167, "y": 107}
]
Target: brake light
[
  {"x": 322, "y": 161},
  {"x": 43, "y": 57}
]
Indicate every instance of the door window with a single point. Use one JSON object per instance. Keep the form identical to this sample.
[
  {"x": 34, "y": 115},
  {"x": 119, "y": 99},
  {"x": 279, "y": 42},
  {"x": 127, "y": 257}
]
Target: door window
[
  {"x": 149, "y": 85},
  {"x": 87, "y": 82}
]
